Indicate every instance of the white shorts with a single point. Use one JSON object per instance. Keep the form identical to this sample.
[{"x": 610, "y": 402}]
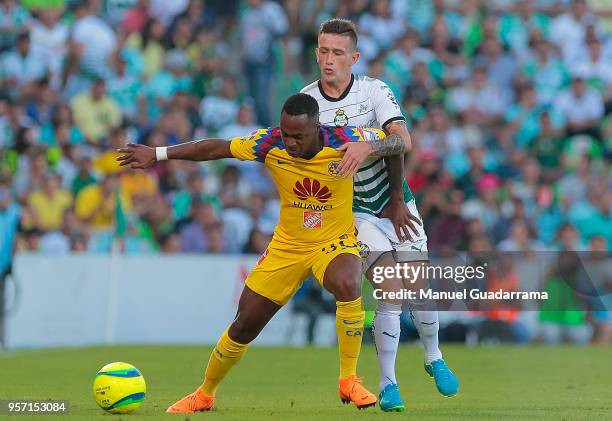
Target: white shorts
[{"x": 378, "y": 236}]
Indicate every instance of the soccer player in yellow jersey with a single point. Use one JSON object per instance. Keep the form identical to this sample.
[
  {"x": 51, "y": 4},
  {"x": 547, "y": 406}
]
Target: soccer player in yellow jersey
[{"x": 315, "y": 235}]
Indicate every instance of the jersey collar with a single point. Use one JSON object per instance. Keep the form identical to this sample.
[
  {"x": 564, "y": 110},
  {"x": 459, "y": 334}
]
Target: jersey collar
[{"x": 342, "y": 96}]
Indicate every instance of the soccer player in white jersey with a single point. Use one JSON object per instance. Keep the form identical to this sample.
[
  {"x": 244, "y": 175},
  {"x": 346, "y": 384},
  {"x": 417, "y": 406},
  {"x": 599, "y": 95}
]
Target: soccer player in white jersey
[{"x": 386, "y": 216}]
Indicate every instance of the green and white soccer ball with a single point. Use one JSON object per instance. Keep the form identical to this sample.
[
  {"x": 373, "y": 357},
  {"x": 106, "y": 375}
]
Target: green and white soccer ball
[{"x": 119, "y": 388}]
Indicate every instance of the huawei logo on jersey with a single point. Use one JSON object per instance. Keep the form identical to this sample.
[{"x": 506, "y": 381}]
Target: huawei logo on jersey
[{"x": 312, "y": 188}]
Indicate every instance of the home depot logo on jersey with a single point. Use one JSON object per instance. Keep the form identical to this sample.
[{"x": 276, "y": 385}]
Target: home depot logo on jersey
[{"x": 313, "y": 220}]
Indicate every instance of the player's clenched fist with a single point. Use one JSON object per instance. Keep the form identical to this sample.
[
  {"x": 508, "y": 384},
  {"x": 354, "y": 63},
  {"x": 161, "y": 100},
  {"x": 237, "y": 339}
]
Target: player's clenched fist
[{"x": 137, "y": 156}]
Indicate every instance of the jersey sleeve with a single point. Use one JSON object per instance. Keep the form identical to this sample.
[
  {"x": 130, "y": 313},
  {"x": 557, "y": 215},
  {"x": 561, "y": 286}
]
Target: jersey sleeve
[
  {"x": 369, "y": 134},
  {"x": 385, "y": 105},
  {"x": 255, "y": 147},
  {"x": 334, "y": 137}
]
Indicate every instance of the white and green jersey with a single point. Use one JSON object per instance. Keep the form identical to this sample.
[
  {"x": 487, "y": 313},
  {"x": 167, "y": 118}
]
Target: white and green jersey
[{"x": 366, "y": 102}]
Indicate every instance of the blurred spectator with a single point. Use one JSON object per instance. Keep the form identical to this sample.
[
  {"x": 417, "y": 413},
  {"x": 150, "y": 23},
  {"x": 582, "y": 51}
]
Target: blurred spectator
[
  {"x": 198, "y": 14},
  {"x": 94, "y": 39},
  {"x": 582, "y": 107},
  {"x": 84, "y": 176},
  {"x": 195, "y": 190},
  {"x": 524, "y": 118},
  {"x": 215, "y": 240},
  {"x": 156, "y": 220},
  {"x": 13, "y": 20},
  {"x": 501, "y": 319},
  {"x": 233, "y": 191},
  {"x": 593, "y": 216},
  {"x": 243, "y": 124},
  {"x": 57, "y": 241},
  {"x": 40, "y": 108},
  {"x": 260, "y": 23},
  {"x": 381, "y": 24},
  {"x": 515, "y": 29},
  {"x": 572, "y": 186},
  {"x": 78, "y": 243},
  {"x": 123, "y": 88},
  {"x": 62, "y": 128},
  {"x": 476, "y": 156},
  {"x": 478, "y": 102},
  {"x": 218, "y": 111},
  {"x": 568, "y": 239},
  {"x": 32, "y": 171},
  {"x": 135, "y": 18},
  {"x": 49, "y": 204},
  {"x": 595, "y": 67},
  {"x": 49, "y": 38},
  {"x": 401, "y": 60},
  {"x": 546, "y": 147},
  {"x": 422, "y": 89},
  {"x": 21, "y": 68},
  {"x": 521, "y": 239},
  {"x": 501, "y": 67},
  {"x": 448, "y": 229},
  {"x": 546, "y": 71},
  {"x": 170, "y": 243},
  {"x": 96, "y": 205},
  {"x": 95, "y": 112},
  {"x": 568, "y": 30},
  {"x": 162, "y": 86},
  {"x": 149, "y": 44},
  {"x": 195, "y": 235},
  {"x": 485, "y": 206},
  {"x": 167, "y": 10},
  {"x": 562, "y": 316}
]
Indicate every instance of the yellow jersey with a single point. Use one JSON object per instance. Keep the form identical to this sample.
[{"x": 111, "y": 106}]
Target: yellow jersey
[{"x": 315, "y": 202}]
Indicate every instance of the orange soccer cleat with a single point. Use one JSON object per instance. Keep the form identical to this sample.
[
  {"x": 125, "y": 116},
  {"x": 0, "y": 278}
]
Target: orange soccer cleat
[
  {"x": 194, "y": 402},
  {"x": 351, "y": 389}
]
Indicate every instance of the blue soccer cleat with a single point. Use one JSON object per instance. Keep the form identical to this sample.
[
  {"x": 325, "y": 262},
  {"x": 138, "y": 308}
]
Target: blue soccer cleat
[
  {"x": 390, "y": 400},
  {"x": 445, "y": 379}
]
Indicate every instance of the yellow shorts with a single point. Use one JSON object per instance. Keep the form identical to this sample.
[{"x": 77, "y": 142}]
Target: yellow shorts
[{"x": 280, "y": 271}]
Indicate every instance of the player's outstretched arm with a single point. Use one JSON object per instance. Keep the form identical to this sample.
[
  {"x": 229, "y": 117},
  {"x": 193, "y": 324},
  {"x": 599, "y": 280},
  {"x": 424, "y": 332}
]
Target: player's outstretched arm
[{"x": 142, "y": 156}]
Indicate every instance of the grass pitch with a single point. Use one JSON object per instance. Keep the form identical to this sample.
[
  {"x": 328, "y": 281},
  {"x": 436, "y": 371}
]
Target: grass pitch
[{"x": 497, "y": 383}]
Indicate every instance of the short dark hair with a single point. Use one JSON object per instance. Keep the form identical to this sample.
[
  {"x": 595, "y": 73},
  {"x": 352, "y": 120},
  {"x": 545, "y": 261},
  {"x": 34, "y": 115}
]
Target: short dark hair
[
  {"x": 299, "y": 104},
  {"x": 340, "y": 27}
]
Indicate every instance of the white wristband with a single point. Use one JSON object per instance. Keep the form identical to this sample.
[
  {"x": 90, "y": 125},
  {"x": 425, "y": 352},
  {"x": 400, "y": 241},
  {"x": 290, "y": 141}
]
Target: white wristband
[{"x": 161, "y": 153}]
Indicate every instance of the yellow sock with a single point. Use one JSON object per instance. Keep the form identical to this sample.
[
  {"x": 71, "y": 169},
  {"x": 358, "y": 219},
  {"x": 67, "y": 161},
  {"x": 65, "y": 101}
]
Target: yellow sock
[
  {"x": 223, "y": 357},
  {"x": 349, "y": 327}
]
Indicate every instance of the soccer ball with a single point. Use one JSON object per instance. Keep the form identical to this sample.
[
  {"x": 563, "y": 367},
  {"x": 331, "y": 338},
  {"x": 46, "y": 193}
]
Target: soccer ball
[{"x": 119, "y": 388}]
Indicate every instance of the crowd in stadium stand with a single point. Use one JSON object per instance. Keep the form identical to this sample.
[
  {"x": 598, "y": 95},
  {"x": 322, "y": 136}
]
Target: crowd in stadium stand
[{"x": 508, "y": 104}]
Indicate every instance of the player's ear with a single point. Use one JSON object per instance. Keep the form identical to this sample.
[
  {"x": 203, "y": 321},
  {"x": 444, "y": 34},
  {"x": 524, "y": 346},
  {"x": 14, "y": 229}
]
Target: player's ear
[
  {"x": 316, "y": 52},
  {"x": 356, "y": 56}
]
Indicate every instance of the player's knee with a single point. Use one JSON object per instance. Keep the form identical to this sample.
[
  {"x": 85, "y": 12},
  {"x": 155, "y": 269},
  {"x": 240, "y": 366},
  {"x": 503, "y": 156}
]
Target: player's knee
[
  {"x": 346, "y": 288},
  {"x": 242, "y": 332}
]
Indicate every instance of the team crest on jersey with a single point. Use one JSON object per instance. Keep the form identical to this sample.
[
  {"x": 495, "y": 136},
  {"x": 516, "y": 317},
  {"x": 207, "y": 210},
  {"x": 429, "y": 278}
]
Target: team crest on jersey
[
  {"x": 332, "y": 168},
  {"x": 311, "y": 188},
  {"x": 341, "y": 119},
  {"x": 313, "y": 220}
]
